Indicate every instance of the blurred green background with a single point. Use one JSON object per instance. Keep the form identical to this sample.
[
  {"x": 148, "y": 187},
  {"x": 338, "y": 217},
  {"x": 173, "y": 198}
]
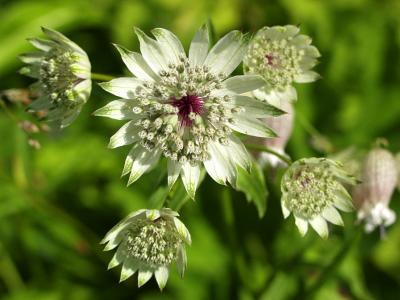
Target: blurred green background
[{"x": 56, "y": 203}]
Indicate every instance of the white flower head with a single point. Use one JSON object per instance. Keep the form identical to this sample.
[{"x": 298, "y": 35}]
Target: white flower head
[
  {"x": 282, "y": 56},
  {"x": 186, "y": 109},
  {"x": 312, "y": 190},
  {"x": 148, "y": 242},
  {"x": 373, "y": 195},
  {"x": 63, "y": 72}
]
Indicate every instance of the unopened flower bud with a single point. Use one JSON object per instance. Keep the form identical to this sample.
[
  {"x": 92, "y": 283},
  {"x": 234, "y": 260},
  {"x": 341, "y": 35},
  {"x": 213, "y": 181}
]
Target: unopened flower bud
[
  {"x": 148, "y": 242},
  {"x": 372, "y": 196}
]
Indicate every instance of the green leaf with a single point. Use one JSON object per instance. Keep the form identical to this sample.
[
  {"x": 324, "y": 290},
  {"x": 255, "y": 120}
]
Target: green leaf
[{"x": 253, "y": 186}]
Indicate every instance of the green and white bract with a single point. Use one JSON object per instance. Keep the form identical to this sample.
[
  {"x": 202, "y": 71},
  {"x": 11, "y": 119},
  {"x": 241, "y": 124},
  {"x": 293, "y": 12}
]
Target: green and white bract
[
  {"x": 282, "y": 56},
  {"x": 148, "y": 242},
  {"x": 63, "y": 72},
  {"x": 312, "y": 190},
  {"x": 186, "y": 108}
]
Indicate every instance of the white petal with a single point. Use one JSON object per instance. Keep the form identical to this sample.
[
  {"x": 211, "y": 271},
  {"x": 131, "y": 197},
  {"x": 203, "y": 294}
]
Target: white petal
[
  {"x": 142, "y": 160},
  {"x": 251, "y": 126},
  {"x": 174, "y": 168},
  {"x": 170, "y": 45},
  {"x": 302, "y": 225},
  {"x": 161, "y": 275},
  {"x": 62, "y": 39},
  {"x": 143, "y": 277},
  {"x": 183, "y": 231},
  {"x": 227, "y": 54},
  {"x": 276, "y": 97},
  {"x": 291, "y": 30},
  {"x": 119, "y": 110},
  {"x": 126, "y": 135},
  {"x": 343, "y": 201},
  {"x": 219, "y": 166},
  {"x": 237, "y": 152},
  {"x": 320, "y": 226},
  {"x": 32, "y": 57},
  {"x": 115, "y": 261},
  {"x": 124, "y": 87},
  {"x": 190, "y": 178},
  {"x": 152, "y": 214},
  {"x": 152, "y": 52},
  {"x": 254, "y": 107},
  {"x": 301, "y": 40},
  {"x": 136, "y": 64},
  {"x": 332, "y": 215},
  {"x": 129, "y": 268},
  {"x": 243, "y": 83},
  {"x": 285, "y": 210},
  {"x": 199, "y": 46},
  {"x": 308, "y": 76}
]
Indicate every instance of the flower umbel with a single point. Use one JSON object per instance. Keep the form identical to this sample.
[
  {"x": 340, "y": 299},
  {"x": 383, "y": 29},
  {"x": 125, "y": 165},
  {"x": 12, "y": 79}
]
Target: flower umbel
[
  {"x": 282, "y": 56},
  {"x": 312, "y": 190},
  {"x": 148, "y": 242},
  {"x": 373, "y": 195},
  {"x": 186, "y": 108},
  {"x": 63, "y": 72}
]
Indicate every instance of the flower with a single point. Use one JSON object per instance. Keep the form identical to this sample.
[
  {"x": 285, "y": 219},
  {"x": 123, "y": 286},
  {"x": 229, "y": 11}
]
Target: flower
[
  {"x": 398, "y": 169},
  {"x": 283, "y": 126},
  {"x": 186, "y": 109},
  {"x": 282, "y": 56},
  {"x": 63, "y": 72},
  {"x": 148, "y": 242},
  {"x": 372, "y": 196},
  {"x": 312, "y": 190}
]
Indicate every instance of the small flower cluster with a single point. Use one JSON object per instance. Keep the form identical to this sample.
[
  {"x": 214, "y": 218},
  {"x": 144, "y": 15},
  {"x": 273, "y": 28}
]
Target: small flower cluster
[{"x": 312, "y": 190}]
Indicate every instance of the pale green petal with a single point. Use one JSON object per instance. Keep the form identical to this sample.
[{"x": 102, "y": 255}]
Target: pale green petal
[
  {"x": 237, "y": 152},
  {"x": 42, "y": 44},
  {"x": 181, "y": 261},
  {"x": 115, "y": 261},
  {"x": 254, "y": 107},
  {"x": 199, "y": 47},
  {"x": 152, "y": 214},
  {"x": 136, "y": 64},
  {"x": 42, "y": 103},
  {"x": 32, "y": 57},
  {"x": 276, "y": 97},
  {"x": 126, "y": 135},
  {"x": 124, "y": 87},
  {"x": 62, "y": 39},
  {"x": 143, "y": 277},
  {"x": 142, "y": 160},
  {"x": 343, "y": 201},
  {"x": 174, "y": 169},
  {"x": 332, "y": 215},
  {"x": 302, "y": 225},
  {"x": 320, "y": 226},
  {"x": 227, "y": 54},
  {"x": 190, "y": 178},
  {"x": 161, "y": 275},
  {"x": 251, "y": 126},
  {"x": 119, "y": 110},
  {"x": 170, "y": 45},
  {"x": 129, "y": 268},
  {"x": 219, "y": 166},
  {"x": 308, "y": 76},
  {"x": 183, "y": 231},
  {"x": 285, "y": 210},
  {"x": 152, "y": 52},
  {"x": 243, "y": 83},
  {"x": 30, "y": 71}
]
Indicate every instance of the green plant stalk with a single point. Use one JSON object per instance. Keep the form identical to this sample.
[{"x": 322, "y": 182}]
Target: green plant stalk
[
  {"x": 283, "y": 158},
  {"x": 9, "y": 272},
  {"x": 101, "y": 77}
]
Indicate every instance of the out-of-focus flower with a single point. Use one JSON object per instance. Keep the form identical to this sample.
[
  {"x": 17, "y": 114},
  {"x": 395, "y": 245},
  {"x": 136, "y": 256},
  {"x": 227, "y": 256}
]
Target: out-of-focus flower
[
  {"x": 282, "y": 56},
  {"x": 186, "y": 108},
  {"x": 148, "y": 242},
  {"x": 398, "y": 170},
  {"x": 312, "y": 190},
  {"x": 282, "y": 126},
  {"x": 63, "y": 72},
  {"x": 379, "y": 178}
]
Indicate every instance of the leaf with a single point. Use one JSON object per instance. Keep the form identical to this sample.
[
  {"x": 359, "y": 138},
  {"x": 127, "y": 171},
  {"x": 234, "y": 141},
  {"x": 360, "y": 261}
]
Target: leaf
[{"x": 253, "y": 186}]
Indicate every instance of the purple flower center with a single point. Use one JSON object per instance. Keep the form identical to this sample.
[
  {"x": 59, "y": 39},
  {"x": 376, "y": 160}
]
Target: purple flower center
[
  {"x": 188, "y": 106},
  {"x": 270, "y": 59}
]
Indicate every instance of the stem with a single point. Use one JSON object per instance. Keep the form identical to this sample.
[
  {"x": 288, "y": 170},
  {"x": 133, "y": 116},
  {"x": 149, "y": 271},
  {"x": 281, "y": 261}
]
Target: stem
[
  {"x": 283, "y": 158},
  {"x": 8, "y": 111},
  {"x": 101, "y": 77},
  {"x": 9, "y": 271}
]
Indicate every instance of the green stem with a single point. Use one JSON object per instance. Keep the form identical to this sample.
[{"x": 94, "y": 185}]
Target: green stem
[
  {"x": 101, "y": 77},
  {"x": 9, "y": 272},
  {"x": 283, "y": 158}
]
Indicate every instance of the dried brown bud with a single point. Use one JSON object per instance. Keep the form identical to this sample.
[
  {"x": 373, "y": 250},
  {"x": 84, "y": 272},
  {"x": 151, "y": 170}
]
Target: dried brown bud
[
  {"x": 34, "y": 144},
  {"x": 28, "y": 127}
]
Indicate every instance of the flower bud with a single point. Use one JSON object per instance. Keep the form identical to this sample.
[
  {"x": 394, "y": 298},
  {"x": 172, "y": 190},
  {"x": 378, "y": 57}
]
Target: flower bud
[
  {"x": 64, "y": 79},
  {"x": 312, "y": 190},
  {"x": 148, "y": 242},
  {"x": 372, "y": 196}
]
